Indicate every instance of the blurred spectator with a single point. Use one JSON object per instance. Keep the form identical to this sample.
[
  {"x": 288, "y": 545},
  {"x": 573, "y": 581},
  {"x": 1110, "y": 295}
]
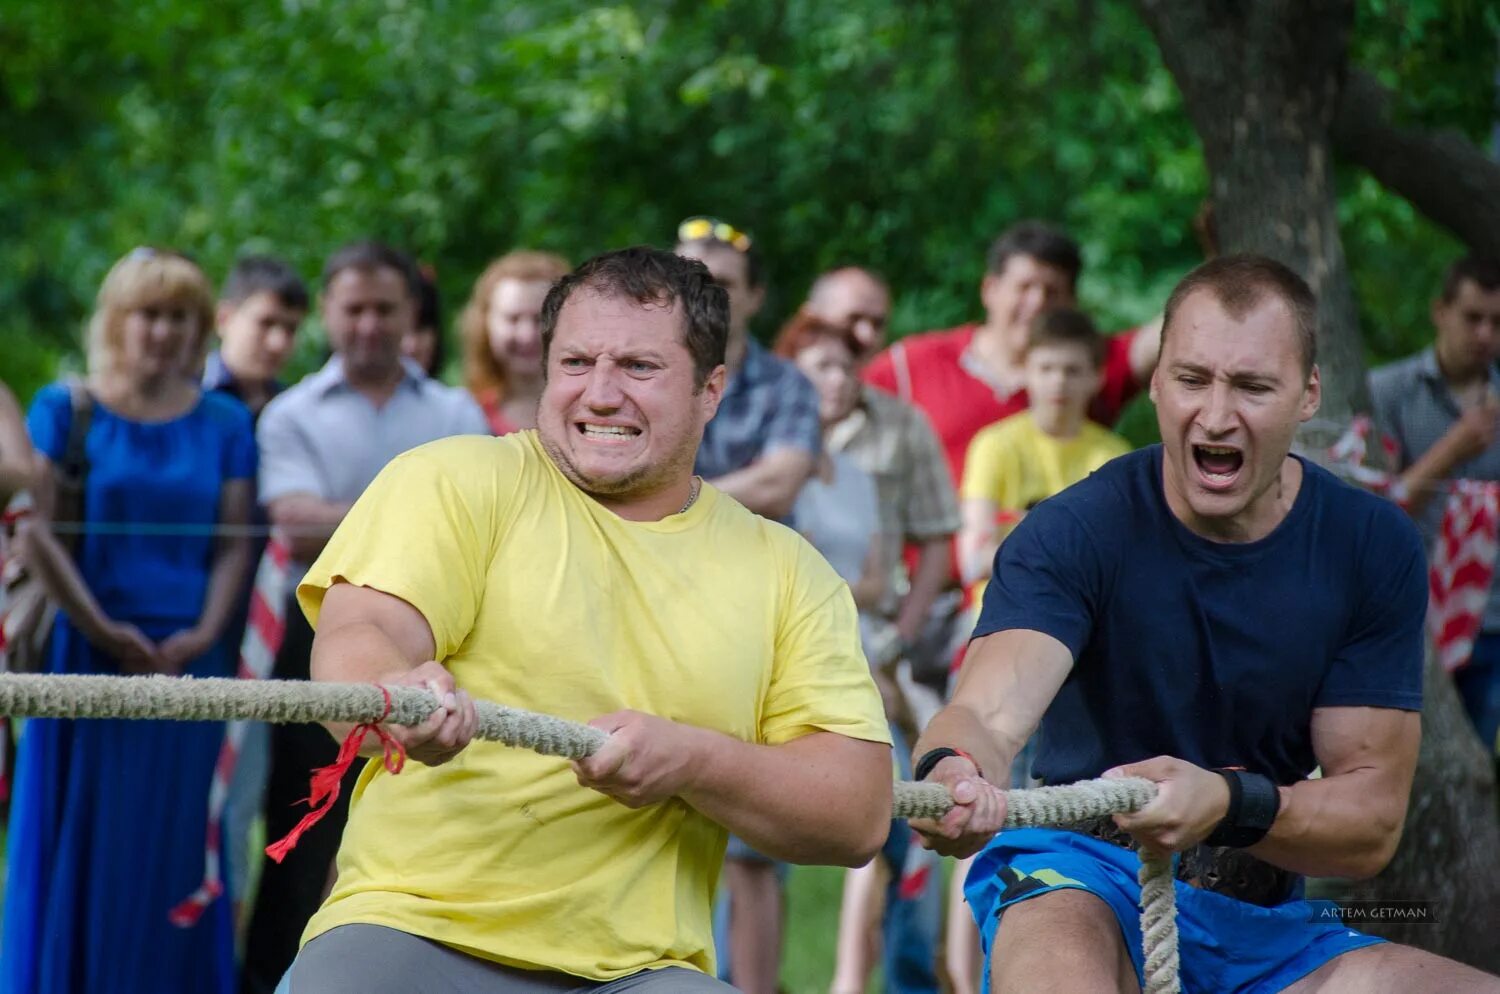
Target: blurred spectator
[
  {"x": 321, "y": 443},
  {"x": 15, "y": 448},
  {"x": 972, "y": 376},
  {"x": 1018, "y": 462},
  {"x": 894, "y": 442},
  {"x": 108, "y": 827},
  {"x": 842, "y": 511},
  {"x": 838, "y": 510},
  {"x": 502, "y": 337},
  {"x": 260, "y": 309},
  {"x": 424, "y": 344},
  {"x": 1442, "y": 407},
  {"x": 853, "y": 297},
  {"x": 761, "y": 446}
]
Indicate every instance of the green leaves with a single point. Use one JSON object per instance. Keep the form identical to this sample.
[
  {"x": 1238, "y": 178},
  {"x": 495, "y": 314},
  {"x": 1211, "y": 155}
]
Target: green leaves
[{"x": 900, "y": 135}]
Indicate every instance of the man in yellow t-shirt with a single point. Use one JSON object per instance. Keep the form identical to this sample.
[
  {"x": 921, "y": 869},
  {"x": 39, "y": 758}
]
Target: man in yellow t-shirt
[
  {"x": 1021, "y": 460},
  {"x": 582, "y": 570}
]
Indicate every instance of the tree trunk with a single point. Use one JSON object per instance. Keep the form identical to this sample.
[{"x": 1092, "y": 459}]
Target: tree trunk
[
  {"x": 1262, "y": 82},
  {"x": 1444, "y": 175},
  {"x": 1448, "y": 853}
]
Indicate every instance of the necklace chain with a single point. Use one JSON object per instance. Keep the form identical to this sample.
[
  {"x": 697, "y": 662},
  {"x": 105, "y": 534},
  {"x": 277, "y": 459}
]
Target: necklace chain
[{"x": 692, "y": 497}]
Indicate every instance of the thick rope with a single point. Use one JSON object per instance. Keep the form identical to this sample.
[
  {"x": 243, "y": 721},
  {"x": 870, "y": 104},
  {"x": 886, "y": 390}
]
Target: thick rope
[{"x": 297, "y": 701}]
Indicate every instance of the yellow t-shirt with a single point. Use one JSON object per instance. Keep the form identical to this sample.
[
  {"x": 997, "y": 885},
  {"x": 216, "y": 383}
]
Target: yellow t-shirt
[
  {"x": 1016, "y": 464},
  {"x": 540, "y": 598}
]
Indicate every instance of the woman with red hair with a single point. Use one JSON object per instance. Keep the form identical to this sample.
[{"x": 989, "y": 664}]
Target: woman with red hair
[{"x": 502, "y": 337}]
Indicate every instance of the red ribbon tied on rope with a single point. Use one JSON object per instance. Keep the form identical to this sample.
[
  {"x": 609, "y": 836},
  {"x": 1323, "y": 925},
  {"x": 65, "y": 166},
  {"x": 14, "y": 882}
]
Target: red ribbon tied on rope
[{"x": 327, "y": 780}]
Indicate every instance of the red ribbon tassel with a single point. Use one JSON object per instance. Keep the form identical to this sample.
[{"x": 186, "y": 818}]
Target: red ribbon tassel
[{"x": 327, "y": 780}]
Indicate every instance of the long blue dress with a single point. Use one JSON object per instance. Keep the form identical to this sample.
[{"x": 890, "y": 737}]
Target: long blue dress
[{"x": 108, "y": 823}]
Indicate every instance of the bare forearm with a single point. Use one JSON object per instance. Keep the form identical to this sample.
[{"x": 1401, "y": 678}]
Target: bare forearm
[
  {"x": 1338, "y": 826},
  {"x": 770, "y": 485},
  {"x": 764, "y": 494},
  {"x": 59, "y": 575},
  {"x": 15, "y": 476},
  {"x": 308, "y": 522},
  {"x": 957, "y": 726},
  {"x": 226, "y": 584},
  {"x": 976, "y": 555},
  {"x": 1425, "y": 477},
  {"x": 359, "y": 652},
  {"x": 934, "y": 565},
  {"x": 822, "y": 799}
]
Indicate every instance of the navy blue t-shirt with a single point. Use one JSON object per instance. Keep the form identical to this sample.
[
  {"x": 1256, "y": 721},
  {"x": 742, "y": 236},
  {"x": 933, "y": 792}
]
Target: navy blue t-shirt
[{"x": 1210, "y": 652}]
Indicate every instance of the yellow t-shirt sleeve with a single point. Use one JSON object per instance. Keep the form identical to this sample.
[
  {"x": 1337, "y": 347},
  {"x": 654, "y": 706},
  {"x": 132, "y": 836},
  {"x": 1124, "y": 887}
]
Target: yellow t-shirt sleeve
[
  {"x": 820, "y": 680},
  {"x": 421, "y": 532},
  {"x": 982, "y": 469},
  {"x": 992, "y": 468}
]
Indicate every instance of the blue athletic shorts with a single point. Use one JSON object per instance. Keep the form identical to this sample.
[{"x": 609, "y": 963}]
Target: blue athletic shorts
[{"x": 1224, "y": 945}]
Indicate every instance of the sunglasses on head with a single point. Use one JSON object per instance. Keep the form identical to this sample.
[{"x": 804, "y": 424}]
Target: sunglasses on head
[{"x": 706, "y": 229}]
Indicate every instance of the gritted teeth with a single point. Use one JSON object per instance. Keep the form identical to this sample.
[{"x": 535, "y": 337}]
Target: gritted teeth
[{"x": 609, "y": 431}]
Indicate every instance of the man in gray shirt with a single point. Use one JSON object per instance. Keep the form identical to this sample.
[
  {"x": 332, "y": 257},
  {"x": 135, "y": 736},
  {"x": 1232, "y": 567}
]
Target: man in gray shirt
[
  {"x": 1442, "y": 407},
  {"x": 321, "y": 443}
]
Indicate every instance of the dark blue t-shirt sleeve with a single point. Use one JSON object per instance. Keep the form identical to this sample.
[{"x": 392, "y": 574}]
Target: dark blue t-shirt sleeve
[
  {"x": 48, "y": 420},
  {"x": 1047, "y": 578},
  {"x": 1380, "y": 663}
]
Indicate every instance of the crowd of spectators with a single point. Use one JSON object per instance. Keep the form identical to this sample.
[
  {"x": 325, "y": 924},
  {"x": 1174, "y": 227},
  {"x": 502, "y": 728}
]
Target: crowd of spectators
[{"x": 905, "y": 465}]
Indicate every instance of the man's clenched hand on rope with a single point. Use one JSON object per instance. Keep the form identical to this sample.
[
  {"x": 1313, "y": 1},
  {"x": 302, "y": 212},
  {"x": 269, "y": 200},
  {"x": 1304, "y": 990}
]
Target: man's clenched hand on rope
[{"x": 978, "y": 811}]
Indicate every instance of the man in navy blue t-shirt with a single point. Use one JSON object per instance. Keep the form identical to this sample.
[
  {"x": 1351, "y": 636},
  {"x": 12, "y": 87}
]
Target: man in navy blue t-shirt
[{"x": 1220, "y": 617}]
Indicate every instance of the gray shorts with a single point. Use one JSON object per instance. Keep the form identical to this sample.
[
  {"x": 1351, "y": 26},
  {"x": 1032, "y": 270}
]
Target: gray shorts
[{"x": 373, "y": 959}]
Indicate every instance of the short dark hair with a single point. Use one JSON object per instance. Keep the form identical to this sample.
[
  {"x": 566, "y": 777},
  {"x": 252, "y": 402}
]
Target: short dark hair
[
  {"x": 430, "y": 317},
  {"x": 1066, "y": 326},
  {"x": 1043, "y": 242},
  {"x": 368, "y": 256},
  {"x": 254, "y": 274},
  {"x": 651, "y": 276},
  {"x": 1240, "y": 282},
  {"x": 1477, "y": 269}
]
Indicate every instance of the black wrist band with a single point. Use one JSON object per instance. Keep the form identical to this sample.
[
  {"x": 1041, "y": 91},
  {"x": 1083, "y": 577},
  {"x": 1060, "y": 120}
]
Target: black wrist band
[
  {"x": 1254, "y": 803},
  {"x": 932, "y": 757}
]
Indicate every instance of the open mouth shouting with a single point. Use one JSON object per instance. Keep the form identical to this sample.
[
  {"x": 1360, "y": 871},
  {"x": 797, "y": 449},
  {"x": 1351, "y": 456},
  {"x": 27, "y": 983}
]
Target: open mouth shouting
[{"x": 1218, "y": 465}]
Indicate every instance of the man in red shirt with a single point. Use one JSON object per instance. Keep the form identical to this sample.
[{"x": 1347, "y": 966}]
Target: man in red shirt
[{"x": 968, "y": 377}]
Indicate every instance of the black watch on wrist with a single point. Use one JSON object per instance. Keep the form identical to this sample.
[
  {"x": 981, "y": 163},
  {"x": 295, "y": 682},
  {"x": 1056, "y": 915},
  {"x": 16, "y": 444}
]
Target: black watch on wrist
[
  {"x": 1254, "y": 802},
  {"x": 932, "y": 757}
]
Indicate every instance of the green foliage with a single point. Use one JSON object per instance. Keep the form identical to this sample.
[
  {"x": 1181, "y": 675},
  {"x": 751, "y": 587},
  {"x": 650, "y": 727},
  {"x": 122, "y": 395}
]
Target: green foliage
[{"x": 903, "y": 136}]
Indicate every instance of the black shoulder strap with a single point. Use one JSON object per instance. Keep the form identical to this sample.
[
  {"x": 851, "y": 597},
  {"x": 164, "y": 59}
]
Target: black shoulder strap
[{"x": 75, "y": 460}]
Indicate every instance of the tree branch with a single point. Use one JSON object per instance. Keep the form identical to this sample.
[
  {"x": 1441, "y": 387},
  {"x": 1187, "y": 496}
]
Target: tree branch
[{"x": 1441, "y": 172}]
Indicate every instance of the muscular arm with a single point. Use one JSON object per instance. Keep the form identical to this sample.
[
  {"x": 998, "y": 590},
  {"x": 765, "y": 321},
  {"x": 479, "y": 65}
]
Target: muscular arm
[
  {"x": 769, "y": 486},
  {"x": 1348, "y": 822},
  {"x": 1006, "y": 684},
  {"x": 15, "y": 448},
  {"x": 823, "y": 798},
  {"x": 368, "y": 636},
  {"x": 934, "y": 563},
  {"x": 308, "y": 521}
]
